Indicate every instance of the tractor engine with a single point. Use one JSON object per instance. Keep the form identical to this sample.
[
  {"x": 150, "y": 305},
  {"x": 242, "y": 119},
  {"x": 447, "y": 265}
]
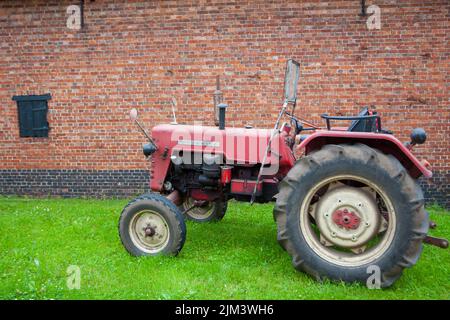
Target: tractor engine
[{"x": 206, "y": 175}]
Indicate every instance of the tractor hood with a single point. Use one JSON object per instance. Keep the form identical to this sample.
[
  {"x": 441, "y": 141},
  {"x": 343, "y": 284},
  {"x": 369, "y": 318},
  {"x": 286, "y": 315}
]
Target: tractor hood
[{"x": 238, "y": 145}]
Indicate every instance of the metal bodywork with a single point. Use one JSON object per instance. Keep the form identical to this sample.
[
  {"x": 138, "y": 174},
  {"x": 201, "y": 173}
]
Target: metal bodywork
[
  {"x": 231, "y": 143},
  {"x": 387, "y": 143}
]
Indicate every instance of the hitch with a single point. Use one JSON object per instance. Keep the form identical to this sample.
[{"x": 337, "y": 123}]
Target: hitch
[
  {"x": 438, "y": 242},
  {"x": 433, "y": 224},
  {"x": 435, "y": 241}
]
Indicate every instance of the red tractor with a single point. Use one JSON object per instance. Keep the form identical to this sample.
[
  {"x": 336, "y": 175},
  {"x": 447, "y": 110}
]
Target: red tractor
[{"x": 349, "y": 202}]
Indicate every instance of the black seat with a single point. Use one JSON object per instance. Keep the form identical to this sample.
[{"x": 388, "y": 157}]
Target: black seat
[
  {"x": 365, "y": 121},
  {"x": 364, "y": 125}
]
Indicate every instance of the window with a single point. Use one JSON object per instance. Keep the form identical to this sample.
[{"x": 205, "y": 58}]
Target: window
[{"x": 32, "y": 112}]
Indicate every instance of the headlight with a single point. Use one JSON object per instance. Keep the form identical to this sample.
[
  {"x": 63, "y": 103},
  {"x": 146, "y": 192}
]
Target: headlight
[{"x": 148, "y": 149}]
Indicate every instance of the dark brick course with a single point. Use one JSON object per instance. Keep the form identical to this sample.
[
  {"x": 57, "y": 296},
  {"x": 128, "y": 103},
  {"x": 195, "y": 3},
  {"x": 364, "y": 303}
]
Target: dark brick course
[
  {"x": 128, "y": 183},
  {"x": 437, "y": 189},
  {"x": 74, "y": 183}
]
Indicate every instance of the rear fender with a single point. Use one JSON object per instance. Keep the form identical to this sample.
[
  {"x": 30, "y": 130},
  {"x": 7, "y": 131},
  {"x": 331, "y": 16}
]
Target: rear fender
[{"x": 384, "y": 142}]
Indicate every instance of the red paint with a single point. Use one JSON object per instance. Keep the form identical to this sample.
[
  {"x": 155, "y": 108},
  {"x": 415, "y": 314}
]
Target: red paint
[
  {"x": 232, "y": 143},
  {"x": 225, "y": 174},
  {"x": 203, "y": 195},
  {"x": 346, "y": 219},
  {"x": 241, "y": 186},
  {"x": 386, "y": 143}
]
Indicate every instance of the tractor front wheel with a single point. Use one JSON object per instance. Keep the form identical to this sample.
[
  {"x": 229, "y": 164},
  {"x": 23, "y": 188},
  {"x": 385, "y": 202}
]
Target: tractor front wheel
[
  {"x": 152, "y": 225},
  {"x": 347, "y": 211}
]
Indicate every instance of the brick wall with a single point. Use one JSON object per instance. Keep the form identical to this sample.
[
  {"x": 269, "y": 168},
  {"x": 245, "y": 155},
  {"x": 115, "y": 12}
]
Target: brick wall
[
  {"x": 74, "y": 182},
  {"x": 140, "y": 53}
]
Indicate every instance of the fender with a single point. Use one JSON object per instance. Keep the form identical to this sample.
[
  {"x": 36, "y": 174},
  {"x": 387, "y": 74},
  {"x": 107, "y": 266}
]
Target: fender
[{"x": 384, "y": 142}]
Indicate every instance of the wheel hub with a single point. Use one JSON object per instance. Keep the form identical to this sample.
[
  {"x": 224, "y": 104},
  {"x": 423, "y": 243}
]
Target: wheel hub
[
  {"x": 347, "y": 216},
  {"x": 346, "y": 219},
  {"x": 149, "y": 231}
]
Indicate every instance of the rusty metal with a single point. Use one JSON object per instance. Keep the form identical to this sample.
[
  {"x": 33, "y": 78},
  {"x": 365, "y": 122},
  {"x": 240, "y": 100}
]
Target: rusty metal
[
  {"x": 149, "y": 231},
  {"x": 175, "y": 197},
  {"x": 435, "y": 241},
  {"x": 189, "y": 209},
  {"x": 197, "y": 204}
]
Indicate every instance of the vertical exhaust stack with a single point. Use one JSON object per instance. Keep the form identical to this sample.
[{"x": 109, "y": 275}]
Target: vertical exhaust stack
[
  {"x": 222, "y": 108},
  {"x": 218, "y": 98}
]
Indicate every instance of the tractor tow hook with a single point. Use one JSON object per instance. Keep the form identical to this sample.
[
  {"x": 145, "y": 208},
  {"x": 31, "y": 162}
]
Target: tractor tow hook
[{"x": 438, "y": 242}]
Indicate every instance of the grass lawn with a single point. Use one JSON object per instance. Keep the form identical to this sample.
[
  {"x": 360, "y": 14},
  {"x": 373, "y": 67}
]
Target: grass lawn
[{"x": 238, "y": 258}]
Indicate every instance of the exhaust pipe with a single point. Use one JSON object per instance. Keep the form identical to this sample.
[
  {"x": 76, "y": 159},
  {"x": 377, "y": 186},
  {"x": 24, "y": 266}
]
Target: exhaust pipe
[{"x": 222, "y": 108}]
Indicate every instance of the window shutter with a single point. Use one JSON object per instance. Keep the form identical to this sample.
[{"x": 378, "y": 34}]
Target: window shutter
[
  {"x": 39, "y": 116},
  {"x": 32, "y": 112},
  {"x": 25, "y": 118}
]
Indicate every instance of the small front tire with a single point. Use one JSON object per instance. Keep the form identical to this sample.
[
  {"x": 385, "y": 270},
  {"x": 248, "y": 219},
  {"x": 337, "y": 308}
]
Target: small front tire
[{"x": 152, "y": 225}]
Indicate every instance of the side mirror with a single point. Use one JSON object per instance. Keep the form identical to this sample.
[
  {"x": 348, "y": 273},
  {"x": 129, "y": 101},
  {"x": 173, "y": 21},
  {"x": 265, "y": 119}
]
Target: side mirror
[
  {"x": 291, "y": 81},
  {"x": 133, "y": 114}
]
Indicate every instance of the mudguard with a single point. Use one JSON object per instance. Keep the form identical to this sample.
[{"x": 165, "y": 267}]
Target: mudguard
[{"x": 386, "y": 143}]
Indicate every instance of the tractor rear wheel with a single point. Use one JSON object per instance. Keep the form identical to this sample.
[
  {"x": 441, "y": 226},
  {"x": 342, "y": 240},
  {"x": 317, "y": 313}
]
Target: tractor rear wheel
[
  {"x": 152, "y": 225},
  {"x": 205, "y": 212},
  {"x": 346, "y": 211}
]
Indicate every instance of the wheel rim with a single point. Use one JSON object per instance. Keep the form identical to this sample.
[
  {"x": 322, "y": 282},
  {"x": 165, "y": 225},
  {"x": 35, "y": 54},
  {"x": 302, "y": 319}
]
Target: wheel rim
[
  {"x": 200, "y": 213},
  {"x": 149, "y": 231},
  {"x": 345, "y": 225}
]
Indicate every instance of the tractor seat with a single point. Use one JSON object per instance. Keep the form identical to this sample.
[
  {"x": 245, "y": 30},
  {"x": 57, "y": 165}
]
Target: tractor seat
[
  {"x": 364, "y": 125},
  {"x": 365, "y": 121}
]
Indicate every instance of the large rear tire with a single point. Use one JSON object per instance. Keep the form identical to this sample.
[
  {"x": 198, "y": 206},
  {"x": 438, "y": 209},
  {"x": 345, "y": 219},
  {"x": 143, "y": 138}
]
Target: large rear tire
[
  {"x": 346, "y": 208},
  {"x": 152, "y": 225}
]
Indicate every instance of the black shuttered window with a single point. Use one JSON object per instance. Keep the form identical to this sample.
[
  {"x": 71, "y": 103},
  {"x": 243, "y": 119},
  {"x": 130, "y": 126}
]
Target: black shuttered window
[{"x": 32, "y": 112}]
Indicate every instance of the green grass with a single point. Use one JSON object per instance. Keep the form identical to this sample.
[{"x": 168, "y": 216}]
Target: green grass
[{"x": 238, "y": 258}]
